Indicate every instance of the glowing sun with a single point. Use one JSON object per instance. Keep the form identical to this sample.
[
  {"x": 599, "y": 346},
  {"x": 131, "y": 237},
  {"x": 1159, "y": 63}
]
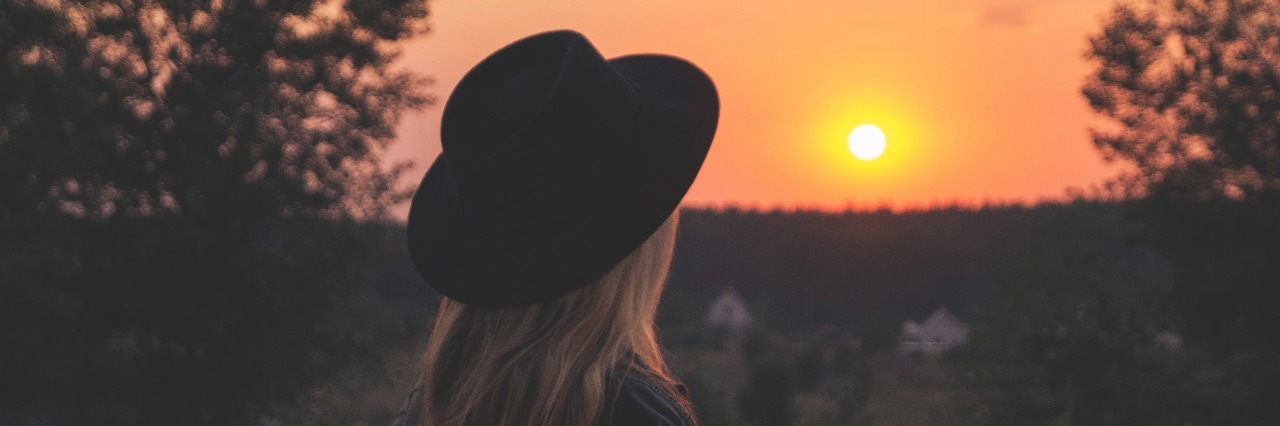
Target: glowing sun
[{"x": 866, "y": 142}]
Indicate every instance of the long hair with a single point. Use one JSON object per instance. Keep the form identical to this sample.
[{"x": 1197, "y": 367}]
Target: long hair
[{"x": 551, "y": 363}]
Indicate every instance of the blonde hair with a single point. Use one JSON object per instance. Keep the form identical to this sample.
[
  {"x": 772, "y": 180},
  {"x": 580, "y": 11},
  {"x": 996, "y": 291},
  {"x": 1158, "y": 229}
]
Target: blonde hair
[{"x": 552, "y": 363}]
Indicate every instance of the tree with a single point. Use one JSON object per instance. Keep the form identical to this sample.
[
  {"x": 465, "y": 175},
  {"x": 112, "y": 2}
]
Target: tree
[
  {"x": 185, "y": 189},
  {"x": 1193, "y": 89}
]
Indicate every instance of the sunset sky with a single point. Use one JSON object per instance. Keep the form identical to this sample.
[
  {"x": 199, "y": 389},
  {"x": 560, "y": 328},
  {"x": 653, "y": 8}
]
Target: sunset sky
[{"x": 979, "y": 99}]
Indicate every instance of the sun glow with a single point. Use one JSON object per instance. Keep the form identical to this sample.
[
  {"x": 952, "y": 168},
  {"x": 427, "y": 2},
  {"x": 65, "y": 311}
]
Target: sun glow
[{"x": 866, "y": 142}]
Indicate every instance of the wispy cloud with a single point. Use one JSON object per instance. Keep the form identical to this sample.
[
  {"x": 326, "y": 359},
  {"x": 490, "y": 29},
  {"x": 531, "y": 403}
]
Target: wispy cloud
[
  {"x": 1019, "y": 15},
  {"x": 1006, "y": 16}
]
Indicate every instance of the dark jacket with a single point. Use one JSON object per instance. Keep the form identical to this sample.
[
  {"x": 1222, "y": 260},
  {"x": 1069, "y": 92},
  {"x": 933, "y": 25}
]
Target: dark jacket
[{"x": 640, "y": 403}]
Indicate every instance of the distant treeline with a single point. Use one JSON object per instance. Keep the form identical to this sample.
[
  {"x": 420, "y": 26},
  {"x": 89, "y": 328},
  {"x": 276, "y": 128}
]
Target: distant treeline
[
  {"x": 814, "y": 267},
  {"x": 801, "y": 269}
]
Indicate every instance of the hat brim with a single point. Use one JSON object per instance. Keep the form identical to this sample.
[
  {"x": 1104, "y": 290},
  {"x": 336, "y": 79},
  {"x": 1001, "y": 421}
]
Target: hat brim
[{"x": 468, "y": 262}]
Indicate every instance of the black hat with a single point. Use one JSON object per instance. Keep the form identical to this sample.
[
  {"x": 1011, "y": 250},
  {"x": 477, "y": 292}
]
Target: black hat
[{"x": 556, "y": 165}]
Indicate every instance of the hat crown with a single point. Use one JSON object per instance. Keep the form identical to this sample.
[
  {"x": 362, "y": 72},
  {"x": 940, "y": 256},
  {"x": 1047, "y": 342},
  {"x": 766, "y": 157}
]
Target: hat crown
[{"x": 547, "y": 108}]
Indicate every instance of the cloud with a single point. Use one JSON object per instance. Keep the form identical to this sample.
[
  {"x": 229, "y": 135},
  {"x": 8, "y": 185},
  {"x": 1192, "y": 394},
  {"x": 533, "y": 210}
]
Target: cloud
[
  {"x": 1019, "y": 15},
  {"x": 1005, "y": 16}
]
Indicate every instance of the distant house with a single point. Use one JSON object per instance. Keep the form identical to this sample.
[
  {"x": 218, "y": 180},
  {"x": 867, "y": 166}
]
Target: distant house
[
  {"x": 939, "y": 332},
  {"x": 729, "y": 312},
  {"x": 1169, "y": 340}
]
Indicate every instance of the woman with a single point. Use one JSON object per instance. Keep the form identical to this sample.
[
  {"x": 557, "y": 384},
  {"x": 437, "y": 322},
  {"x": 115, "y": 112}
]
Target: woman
[{"x": 547, "y": 224}]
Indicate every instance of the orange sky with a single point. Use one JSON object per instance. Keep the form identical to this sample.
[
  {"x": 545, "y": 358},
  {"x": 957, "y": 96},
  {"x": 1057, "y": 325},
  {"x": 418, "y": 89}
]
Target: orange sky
[{"x": 979, "y": 99}]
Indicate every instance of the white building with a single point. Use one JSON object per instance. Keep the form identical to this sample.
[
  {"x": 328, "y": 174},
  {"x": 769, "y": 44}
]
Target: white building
[
  {"x": 1169, "y": 340},
  {"x": 939, "y": 332},
  {"x": 730, "y": 312}
]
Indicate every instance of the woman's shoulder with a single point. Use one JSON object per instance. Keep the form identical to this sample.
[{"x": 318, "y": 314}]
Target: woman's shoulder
[
  {"x": 411, "y": 411},
  {"x": 641, "y": 402}
]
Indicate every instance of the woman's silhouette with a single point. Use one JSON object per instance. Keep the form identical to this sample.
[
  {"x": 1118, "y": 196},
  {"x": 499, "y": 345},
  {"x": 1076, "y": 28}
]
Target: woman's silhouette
[{"x": 548, "y": 224}]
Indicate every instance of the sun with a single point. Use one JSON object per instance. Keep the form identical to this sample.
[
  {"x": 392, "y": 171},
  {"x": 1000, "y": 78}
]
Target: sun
[{"x": 866, "y": 142}]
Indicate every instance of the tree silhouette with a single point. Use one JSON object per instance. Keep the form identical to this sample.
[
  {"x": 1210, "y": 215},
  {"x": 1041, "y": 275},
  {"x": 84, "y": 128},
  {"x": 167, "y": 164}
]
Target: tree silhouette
[
  {"x": 1193, "y": 89},
  {"x": 182, "y": 192}
]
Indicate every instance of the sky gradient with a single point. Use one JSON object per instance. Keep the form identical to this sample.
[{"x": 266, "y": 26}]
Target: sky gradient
[{"x": 979, "y": 99}]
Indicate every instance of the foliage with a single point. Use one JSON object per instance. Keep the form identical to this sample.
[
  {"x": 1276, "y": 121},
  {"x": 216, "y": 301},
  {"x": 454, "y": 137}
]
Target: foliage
[
  {"x": 770, "y": 391},
  {"x": 810, "y": 366},
  {"x": 776, "y": 379},
  {"x": 851, "y": 365},
  {"x": 188, "y": 198},
  {"x": 879, "y": 330},
  {"x": 1193, "y": 90},
  {"x": 768, "y": 398},
  {"x": 1074, "y": 335},
  {"x": 708, "y": 399},
  {"x": 1225, "y": 255}
]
